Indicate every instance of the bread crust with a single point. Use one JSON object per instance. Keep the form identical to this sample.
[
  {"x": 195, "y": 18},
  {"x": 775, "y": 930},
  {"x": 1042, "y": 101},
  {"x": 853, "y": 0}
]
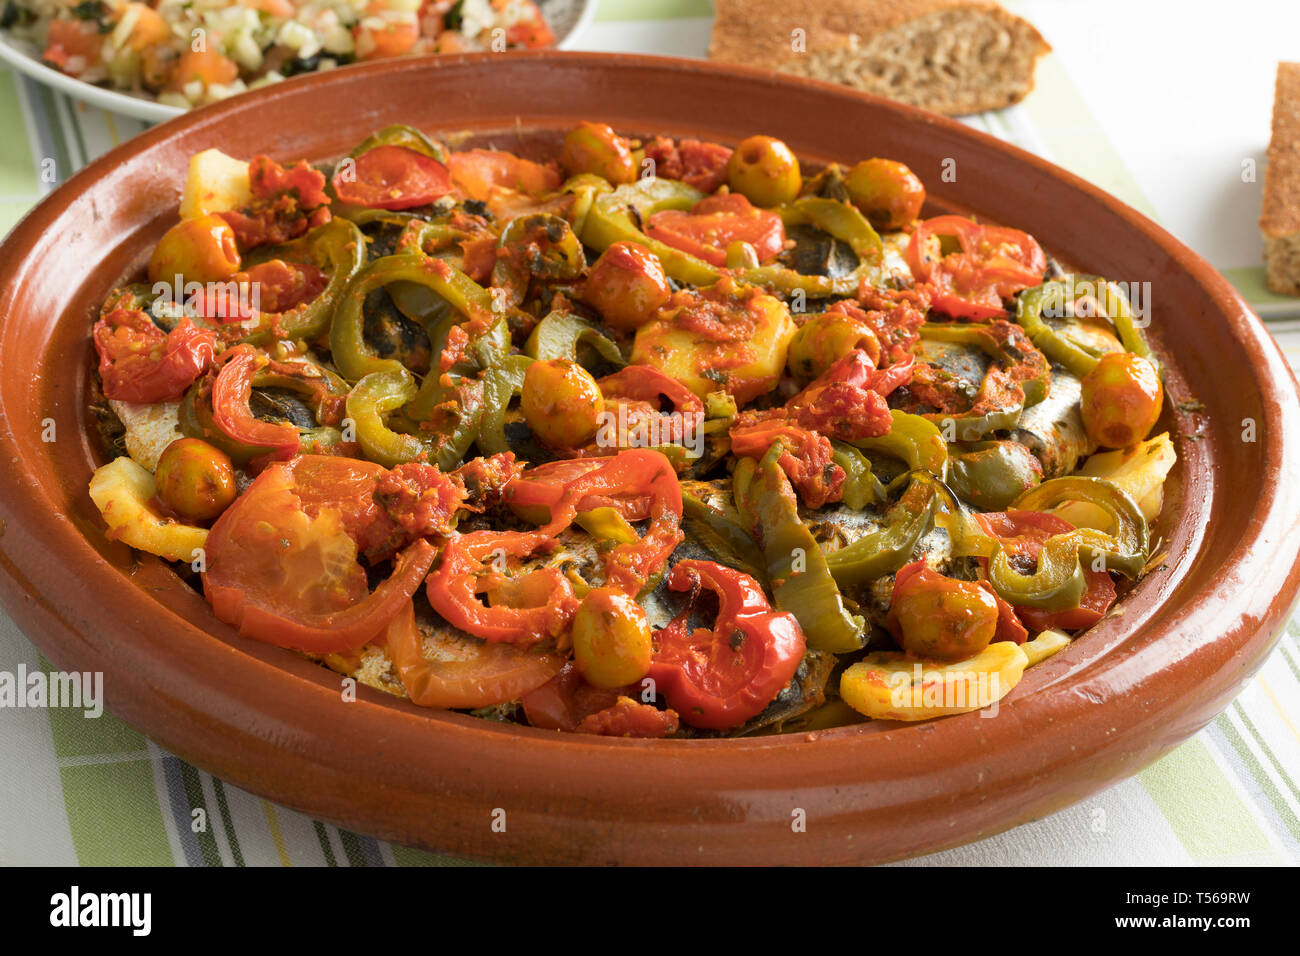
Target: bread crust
[
  {"x": 1280, "y": 216},
  {"x": 760, "y": 31}
]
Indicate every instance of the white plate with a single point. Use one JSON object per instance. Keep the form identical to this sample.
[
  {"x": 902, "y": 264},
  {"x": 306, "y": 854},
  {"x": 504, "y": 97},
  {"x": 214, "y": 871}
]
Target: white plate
[{"x": 567, "y": 19}]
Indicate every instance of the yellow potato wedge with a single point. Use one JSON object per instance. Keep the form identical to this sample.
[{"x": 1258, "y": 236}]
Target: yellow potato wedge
[
  {"x": 216, "y": 183},
  {"x": 1139, "y": 470},
  {"x": 122, "y": 490},
  {"x": 1044, "y": 645},
  {"x": 889, "y": 685}
]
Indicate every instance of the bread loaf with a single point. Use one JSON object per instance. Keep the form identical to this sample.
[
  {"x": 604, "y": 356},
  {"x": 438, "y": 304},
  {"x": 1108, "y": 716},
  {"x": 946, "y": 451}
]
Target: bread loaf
[
  {"x": 1279, "y": 220},
  {"x": 951, "y": 56}
]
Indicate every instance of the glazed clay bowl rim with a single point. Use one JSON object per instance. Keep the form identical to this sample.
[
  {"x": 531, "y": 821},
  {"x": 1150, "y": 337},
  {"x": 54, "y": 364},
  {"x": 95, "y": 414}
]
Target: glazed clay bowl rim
[{"x": 1141, "y": 681}]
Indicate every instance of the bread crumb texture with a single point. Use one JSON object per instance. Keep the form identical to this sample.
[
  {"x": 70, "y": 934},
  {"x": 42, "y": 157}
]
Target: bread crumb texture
[
  {"x": 1279, "y": 219},
  {"x": 950, "y": 56}
]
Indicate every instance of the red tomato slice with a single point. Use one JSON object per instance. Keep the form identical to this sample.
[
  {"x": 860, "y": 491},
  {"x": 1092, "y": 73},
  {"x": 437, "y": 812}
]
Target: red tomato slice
[
  {"x": 139, "y": 362},
  {"x": 479, "y": 674},
  {"x": 291, "y": 578},
  {"x": 994, "y": 263},
  {"x": 722, "y": 677},
  {"x": 534, "y": 493},
  {"x": 392, "y": 177},
  {"x": 716, "y": 222},
  {"x": 231, "y": 391},
  {"x": 1025, "y": 533},
  {"x": 348, "y": 485},
  {"x": 569, "y": 703},
  {"x": 469, "y": 569},
  {"x": 476, "y": 171},
  {"x": 271, "y": 287}
]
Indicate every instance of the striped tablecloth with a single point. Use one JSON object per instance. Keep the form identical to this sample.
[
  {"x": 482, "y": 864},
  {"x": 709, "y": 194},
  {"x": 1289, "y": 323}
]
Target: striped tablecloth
[{"x": 1165, "y": 104}]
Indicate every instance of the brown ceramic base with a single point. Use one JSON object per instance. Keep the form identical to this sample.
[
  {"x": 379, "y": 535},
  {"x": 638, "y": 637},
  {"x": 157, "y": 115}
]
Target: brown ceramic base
[{"x": 1171, "y": 656}]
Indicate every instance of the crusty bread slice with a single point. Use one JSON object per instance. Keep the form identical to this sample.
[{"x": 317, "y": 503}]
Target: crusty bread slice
[
  {"x": 1279, "y": 220},
  {"x": 951, "y": 56}
]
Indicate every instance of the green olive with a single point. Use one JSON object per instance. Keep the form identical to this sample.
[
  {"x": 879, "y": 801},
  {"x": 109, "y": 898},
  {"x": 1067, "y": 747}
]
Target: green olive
[
  {"x": 992, "y": 475},
  {"x": 561, "y": 403},
  {"x": 626, "y": 285},
  {"x": 765, "y": 171},
  {"x": 889, "y": 194},
  {"x": 1121, "y": 399},
  {"x": 943, "y": 619},
  {"x": 197, "y": 250},
  {"x": 612, "y": 644},
  {"x": 826, "y": 338},
  {"x": 195, "y": 480},
  {"x": 595, "y": 148}
]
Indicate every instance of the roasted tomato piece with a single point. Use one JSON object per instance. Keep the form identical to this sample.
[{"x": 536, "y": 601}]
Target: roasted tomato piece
[
  {"x": 139, "y": 362},
  {"x": 477, "y": 171},
  {"x": 478, "y": 589},
  {"x": 569, "y": 703},
  {"x": 694, "y": 162},
  {"x": 993, "y": 263},
  {"x": 715, "y": 223},
  {"x": 466, "y": 672},
  {"x": 285, "y": 576},
  {"x": 287, "y": 203},
  {"x": 721, "y": 677},
  {"x": 392, "y": 177}
]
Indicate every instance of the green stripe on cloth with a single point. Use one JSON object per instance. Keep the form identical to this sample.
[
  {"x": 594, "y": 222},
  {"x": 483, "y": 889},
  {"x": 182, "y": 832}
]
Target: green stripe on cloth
[
  {"x": 409, "y": 856},
  {"x": 1201, "y": 805},
  {"x": 114, "y": 816},
  {"x": 323, "y": 836},
  {"x": 223, "y": 805},
  {"x": 194, "y": 797},
  {"x": 611, "y": 11},
  {"x": 1260, "y": 775},
  {"x": 18, "y": 173},
  {"x": 76, "y": 735}
]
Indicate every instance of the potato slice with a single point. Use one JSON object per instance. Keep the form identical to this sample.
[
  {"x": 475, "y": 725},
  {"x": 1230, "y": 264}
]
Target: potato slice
[
  {"x": 1139, "y": 470},
  {"x": 889, "y": 685},
  {"x": 216, "y": 183},
  {"x": 122, "y": 490},
  {"x": 745, "y": 369},
  {"x": 1044, "y": 645}
]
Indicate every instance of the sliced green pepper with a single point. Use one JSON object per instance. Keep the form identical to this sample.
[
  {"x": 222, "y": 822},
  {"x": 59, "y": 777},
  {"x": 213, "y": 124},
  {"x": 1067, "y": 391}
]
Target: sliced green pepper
[
  {"x": 1057, "y": 298},
  {"x": 890, "y": 546},
  {"x": 861, "y": 486},
  {"x": 611, "y": 219},
  {"x": 352, "y": 355},
  {"x": 718, "y": 530},
  {"x": 796, "y": 567},
  {"x": 400, "y": 134},
  {"x": 1060, "y": 581},
  {"x": 337, "y": 247},
  {"x": 382, "y": 392},
  {"x": 914, "y": 440},
  {"x": 561, "y": 334},
  {"x": 1131, "y": 537},
  {"x": 845, "y": 222},
  {"x": 501, "y": 383},
  {"x": 585, "y": 187}
]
